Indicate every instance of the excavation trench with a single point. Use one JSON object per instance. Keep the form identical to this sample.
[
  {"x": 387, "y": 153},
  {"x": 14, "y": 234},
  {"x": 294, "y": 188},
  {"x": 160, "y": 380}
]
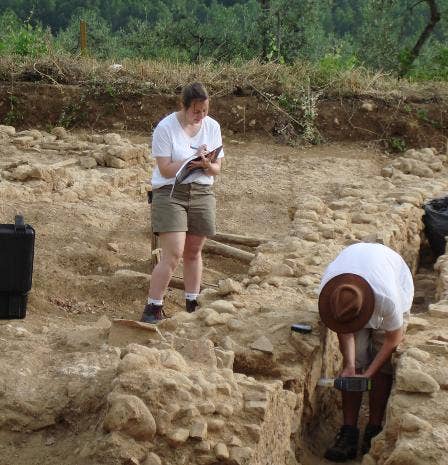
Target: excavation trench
[
  {"x": 318, "y": 411},
  {"x": 229, "y": 384},
  {"x": 320, "y": 425}
]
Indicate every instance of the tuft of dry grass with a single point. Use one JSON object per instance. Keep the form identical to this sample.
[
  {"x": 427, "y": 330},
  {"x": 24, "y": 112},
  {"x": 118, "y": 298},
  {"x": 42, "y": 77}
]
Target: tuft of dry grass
[{"x": 165, "y": 77}]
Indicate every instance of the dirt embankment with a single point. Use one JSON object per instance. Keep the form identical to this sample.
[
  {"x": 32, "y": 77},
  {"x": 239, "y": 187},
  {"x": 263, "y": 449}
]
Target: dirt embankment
[{"x": 397, "y": 123}]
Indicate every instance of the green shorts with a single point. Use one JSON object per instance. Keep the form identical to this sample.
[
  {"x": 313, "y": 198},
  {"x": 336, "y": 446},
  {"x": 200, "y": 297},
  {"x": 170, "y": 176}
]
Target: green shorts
[
  {"x": 191, "y": 209},
  {"x": 368, "y": 342}
]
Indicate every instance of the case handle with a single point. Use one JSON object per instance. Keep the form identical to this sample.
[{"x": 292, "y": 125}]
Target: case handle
[{"x": 19, "y": 223}]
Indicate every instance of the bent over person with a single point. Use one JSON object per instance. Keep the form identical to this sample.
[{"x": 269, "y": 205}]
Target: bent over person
[
  {"x": 183, "y": 216},
  {"x": 365, "y": 297}
]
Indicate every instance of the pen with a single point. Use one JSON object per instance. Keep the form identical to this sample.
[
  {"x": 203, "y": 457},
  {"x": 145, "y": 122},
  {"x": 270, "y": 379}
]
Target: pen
[{"x": 193, "y": 147}]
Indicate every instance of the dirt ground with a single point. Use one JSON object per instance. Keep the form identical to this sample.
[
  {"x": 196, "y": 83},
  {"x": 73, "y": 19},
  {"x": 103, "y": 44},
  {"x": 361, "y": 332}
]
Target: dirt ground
[
  {"x": 92, "y": 253},
  {"x": 74, "y": 276},
  {"x": 254, "y": 194}
]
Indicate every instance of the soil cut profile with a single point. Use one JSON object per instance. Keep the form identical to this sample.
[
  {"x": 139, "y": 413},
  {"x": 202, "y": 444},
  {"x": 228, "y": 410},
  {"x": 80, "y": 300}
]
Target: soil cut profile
[{"x": 230, "y": 383}]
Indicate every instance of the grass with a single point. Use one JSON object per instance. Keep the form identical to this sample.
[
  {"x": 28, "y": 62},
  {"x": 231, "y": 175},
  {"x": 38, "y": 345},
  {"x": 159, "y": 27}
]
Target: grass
[{"x": 164, "y": 77}]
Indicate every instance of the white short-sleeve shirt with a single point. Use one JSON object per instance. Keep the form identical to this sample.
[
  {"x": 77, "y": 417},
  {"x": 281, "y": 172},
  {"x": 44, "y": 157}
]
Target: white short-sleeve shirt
[
  {"x": 388, "y": 276},
  {"x": 170, "y": 140}
]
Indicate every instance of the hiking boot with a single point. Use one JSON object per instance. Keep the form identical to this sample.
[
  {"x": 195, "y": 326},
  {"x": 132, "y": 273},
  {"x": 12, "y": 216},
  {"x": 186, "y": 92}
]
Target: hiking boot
[
  {"x": 190, "y": 305},
  {"x": 369, "y": 433},
  {"x": 153, "y": 314},
  {"x": 345, "y": 446}
]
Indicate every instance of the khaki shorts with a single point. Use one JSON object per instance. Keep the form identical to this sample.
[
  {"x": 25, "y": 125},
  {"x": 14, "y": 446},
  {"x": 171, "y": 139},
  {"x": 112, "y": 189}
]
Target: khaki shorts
[
  {"x": 191, "y": 209},
  {"x": 368, "y": 342}
]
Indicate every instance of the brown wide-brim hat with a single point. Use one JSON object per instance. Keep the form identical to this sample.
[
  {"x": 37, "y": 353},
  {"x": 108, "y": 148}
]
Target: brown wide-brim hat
[{"x": 344, "y": 315}]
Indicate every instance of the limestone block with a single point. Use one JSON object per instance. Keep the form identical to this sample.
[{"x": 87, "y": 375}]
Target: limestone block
[
  {"x": 114, "y": 162},
  {"x": 203, "y": 446},
  {"x": 20, "y": 173},
  {"x": 440, "y": 374},
  {"x": 235, "y": 325},
  {"x": 241, "y": 455},
  {"x": 439, "y": 310},
  {"x": 313, "y": 203},
  {"x": 229, "y": 286},
  {"x": 312, "y": 236},
  {"x": 282, "y": 269},
  {"x": 9, "y": 130},
  {"x": 177, "y": 437},
  {"x": 413, "y": 380},
  {"x": 221, "y": 451},
  {"x": 24, "y": 141},
  {"x": 123, "y": 332},
  {"x": 361, "y": 218},
  {"x": 307, "y": 215},
  {"x": 417, "y": 323},
  {"x": 257, "y": 407},
  {"x": 173, "y": 360},
  {"x": 125, "y": 153},
  {"x": 217, "y": 319},
  {"x": 260, "y": 265},
  {"x": 306, "y": 281},
  {"x": 224, "y": 409},
  {"x": 152, "y": 459},
  {"x": 130, "y": 415},
  {"x": 435, "y": 346},
  {"x": 405, "y": 454},
  {"x": 112, "y": 138},
  {"x": 60, "y": 133},
  {"x": 198, "y": 430},
  {"x": 207, "y": 407},
  {"x": 207, "y": 296},
  {"x": 222, "y": 306},
  {"x": 412, "y": 423},
  {"x": 88, "y": 162},
  {"x": 418, "y": 354},
  {"x": 368, "y": 106},
  {"x": 215, "y": 424},
  {"x": 263, "y": 344},
  {"x": 225, "y": 358}
]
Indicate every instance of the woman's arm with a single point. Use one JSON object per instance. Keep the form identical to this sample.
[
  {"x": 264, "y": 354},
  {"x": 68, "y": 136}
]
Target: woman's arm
[
  {"x": 210, "y": 169},
  {"x": 168, "y": 168}
]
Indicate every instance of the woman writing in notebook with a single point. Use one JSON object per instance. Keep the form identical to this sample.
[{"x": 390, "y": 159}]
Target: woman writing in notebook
[{"x": 183, "y": 217}]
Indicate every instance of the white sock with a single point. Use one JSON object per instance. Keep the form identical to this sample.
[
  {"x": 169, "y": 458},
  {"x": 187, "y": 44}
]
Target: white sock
[
  {"x": 191, "y": 296},
  {"x": 155, "y": 302}
]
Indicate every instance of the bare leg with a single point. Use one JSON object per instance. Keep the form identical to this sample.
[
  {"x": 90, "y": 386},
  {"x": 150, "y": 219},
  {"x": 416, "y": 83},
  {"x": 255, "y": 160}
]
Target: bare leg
[
  {"x": 172, "y": 244},
  {"x": 193, "y": 262},
  {"x": 351, "y": 403},
  {"x": 378, "y": 397}
]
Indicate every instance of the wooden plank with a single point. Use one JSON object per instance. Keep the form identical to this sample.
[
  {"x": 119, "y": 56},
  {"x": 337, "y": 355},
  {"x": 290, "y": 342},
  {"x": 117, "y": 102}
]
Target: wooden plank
[
  {"x": 239, "y": 239},
  {"x": 217, "y": 248}
]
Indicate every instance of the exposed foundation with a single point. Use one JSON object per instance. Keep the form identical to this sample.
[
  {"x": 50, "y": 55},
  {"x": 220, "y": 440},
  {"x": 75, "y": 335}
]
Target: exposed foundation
[{"x": 229, "y": 384}]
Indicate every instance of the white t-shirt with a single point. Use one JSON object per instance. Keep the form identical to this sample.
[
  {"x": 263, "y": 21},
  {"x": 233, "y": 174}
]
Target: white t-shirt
[
  {"x": 388, "y": 276},
  {"x": 170, "y": 140}
]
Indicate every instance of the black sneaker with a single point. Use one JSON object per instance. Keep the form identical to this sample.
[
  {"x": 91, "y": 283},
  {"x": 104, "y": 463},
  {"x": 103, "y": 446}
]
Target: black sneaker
[
  {"x": 369, "y": 433},
  {"x": 190, "y": 305},
  {"x": 153, "y": 314},
  {"x": 345, "y": 446}
]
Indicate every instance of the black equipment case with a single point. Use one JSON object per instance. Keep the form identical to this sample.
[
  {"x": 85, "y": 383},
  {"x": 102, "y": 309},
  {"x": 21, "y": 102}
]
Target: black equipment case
[{"x": 16, "y": 267}]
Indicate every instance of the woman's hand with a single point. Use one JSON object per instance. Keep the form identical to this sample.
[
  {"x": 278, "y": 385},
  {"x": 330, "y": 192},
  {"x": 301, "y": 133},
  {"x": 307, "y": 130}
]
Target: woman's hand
[
  {"x": 202, "y": 150},
  {"x": 204, "y": 162}
]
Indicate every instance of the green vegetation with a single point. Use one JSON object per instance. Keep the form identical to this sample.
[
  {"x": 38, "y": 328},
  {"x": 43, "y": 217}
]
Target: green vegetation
[{"x": 333, "y": 35}]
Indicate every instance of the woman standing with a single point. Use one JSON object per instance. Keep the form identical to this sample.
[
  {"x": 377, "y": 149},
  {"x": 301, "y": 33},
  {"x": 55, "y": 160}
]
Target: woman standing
[{"x": 184, "y": 217}]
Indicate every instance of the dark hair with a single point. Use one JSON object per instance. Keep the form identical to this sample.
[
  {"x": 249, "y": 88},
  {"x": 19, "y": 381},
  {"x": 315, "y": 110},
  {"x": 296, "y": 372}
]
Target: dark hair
[{"x": 193, "y": 91}]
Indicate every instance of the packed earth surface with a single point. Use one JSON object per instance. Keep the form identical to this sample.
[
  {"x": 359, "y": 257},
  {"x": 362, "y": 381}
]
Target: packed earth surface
[{"x": 230, "y": 383}]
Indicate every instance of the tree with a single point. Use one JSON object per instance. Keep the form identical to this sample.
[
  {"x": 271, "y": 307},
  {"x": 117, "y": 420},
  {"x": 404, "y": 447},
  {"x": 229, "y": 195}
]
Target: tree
[{"x": 410, "y": 57}]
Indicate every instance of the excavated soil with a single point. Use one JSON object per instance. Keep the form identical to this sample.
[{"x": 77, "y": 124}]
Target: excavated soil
[
  {"x": 394, "y": 122},
  {"x": 92, "y": 261}
]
